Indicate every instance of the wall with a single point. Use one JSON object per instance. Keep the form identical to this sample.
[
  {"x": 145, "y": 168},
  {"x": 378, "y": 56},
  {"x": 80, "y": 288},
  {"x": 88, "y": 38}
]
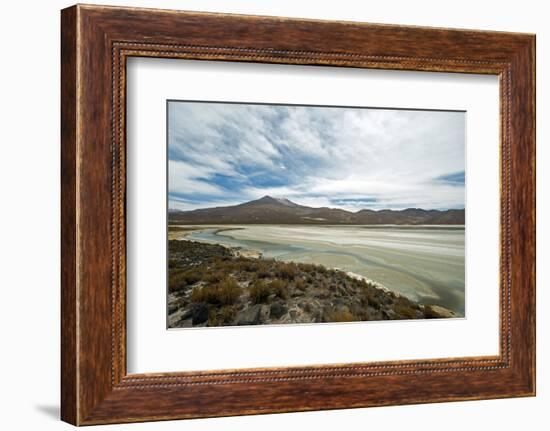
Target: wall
[{"x": 29, "y": 231}]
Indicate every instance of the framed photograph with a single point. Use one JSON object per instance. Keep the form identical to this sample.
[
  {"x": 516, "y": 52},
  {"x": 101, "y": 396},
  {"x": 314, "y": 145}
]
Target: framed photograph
[{"x": 265, "y": 215}]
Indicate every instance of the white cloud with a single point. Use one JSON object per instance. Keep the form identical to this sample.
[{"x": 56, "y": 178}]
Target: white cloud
[
  {"x": 184, "y": 178},
  {"x": 190, "y": 205},
  {"x": 383, "y": 158}
]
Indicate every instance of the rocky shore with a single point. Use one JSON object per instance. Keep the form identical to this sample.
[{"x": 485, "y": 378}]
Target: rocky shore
[{"x": 212, "y": 285}]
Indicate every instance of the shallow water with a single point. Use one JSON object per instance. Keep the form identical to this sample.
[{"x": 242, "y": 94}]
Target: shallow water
[{"x": 424, "y": 263}]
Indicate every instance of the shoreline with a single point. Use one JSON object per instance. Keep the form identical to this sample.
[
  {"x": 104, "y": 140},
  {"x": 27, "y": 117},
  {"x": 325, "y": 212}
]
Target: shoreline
[
  {"x": 256, "y": 254},
  {"x": 400, "y": 286},
  {"x": 374, "y": 226},
  {"x": 215, "y": 285},
  {"x": 370, "y": 281}
]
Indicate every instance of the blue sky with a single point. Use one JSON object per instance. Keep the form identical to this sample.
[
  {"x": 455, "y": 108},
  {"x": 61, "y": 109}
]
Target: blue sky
[{"x": 350, "y": 158}]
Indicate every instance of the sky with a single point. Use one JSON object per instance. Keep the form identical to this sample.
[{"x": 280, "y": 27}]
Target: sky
[{"x": 223, "y": 154}]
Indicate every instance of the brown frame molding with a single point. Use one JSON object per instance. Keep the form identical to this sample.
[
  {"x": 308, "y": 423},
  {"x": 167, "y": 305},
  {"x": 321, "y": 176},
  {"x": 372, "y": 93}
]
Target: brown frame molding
[{"x": 95, "y": 43}]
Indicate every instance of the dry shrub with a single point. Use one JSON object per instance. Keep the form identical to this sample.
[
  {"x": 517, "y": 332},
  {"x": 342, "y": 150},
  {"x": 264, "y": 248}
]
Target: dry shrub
[
  {"x": 178, "y": 279},
  {"x": 369, "y": 296},
  {"x": 340, "y": 316},
  {"x": 288, "y": 271},
  {"x": 306, "y": 267},
  {"x": 262, "y": 270},
  {"x": 221, "y": 316},
  {"x": 321, "y": 269},
  {"x": 215, "y": 276},
  {"x": 229, "y": 291},
  {"x": 259, "y": 292},
  {"x": 227, "y": 314},
  {"x": 244, "y": 264},
  {"x": 405, "y": 311},
  {"x": 279, "y": 288},
  {"x": 226, "y": 292}
]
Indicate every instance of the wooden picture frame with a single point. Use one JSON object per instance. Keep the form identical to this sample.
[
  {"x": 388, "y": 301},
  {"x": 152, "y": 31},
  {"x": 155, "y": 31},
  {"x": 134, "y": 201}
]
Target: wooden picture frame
[{"x": 95, "y": 43}]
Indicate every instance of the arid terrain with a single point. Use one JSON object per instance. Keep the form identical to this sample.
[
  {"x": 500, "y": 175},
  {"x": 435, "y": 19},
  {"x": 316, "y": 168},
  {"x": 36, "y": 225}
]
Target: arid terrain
[{"x": 213, "y": 285}]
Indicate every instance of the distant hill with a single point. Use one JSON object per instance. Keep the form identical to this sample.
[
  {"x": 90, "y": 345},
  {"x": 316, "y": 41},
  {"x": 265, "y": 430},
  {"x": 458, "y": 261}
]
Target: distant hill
[{"x": 268, "y": 210}]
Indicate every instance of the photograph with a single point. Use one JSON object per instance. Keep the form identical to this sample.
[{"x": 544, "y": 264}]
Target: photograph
[{"x": 296, "y": 214}]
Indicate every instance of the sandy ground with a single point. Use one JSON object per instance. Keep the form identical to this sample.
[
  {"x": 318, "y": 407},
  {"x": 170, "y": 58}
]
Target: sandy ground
[{"x": 181, "y": 232}]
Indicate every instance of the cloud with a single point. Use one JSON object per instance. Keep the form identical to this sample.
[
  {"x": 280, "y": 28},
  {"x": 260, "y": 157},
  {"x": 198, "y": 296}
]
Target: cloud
[
  {"x": 456, "y": 178},
  {"x": 341, "y": 157}
]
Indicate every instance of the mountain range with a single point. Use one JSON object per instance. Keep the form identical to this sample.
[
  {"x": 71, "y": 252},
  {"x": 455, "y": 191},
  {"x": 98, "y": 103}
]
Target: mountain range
[{"x": 269, "y": 210}]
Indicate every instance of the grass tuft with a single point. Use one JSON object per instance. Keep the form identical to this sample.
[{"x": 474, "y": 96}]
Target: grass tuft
[
  {"x": 340, "y": 316},
  {"x": 259, "y": 292},
  {"x": 226, "y": 292},
  {"x": 279, "y": 288}
]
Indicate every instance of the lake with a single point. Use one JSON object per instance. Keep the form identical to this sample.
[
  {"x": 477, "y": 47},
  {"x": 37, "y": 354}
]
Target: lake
[{"x": 423, "y": 263}]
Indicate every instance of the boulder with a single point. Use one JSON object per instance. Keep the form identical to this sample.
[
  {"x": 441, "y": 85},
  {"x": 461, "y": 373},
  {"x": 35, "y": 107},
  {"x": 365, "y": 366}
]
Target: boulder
[
  {"x": 175, "y": 317},
  {"x": 252, "y": 315},
  {"x": 277, "y": 309},
  {"x": 438, "y": 312},
  {"x": 389, "y": 314},
  {"x": 199, "y": 313}
]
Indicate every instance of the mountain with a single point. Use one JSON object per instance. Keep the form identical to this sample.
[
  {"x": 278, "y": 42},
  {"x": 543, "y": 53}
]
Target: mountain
[{"x": 269, "y": 210}]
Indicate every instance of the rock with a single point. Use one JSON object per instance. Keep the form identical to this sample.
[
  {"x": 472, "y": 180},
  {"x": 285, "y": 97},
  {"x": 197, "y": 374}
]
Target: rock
[
  {"x": 341, "y": 291},
  {"x": 199, "y": 313},
  {"x": 317, "y": 315},
  {"x": 277, "y": 309},
  {"x": 382, "y": 298},
  {"x": 253, "y": 315},
  {"x": 187, "y": 314},
  {"x": 174, "y": 318},
  {"x": 264, "y": 314},
  {"x": 338, "y": 302},
  {"x": 322, "y": 293},
  {"x": 306, "y": 306},
  {"x": 374, "y": 314},
  {"x": 174, "y": 302},
  {"x": 438, "y": 312},
  {"x": 186, "y": 323},
  {"x": 296, "y": 314},
  {"x": 390, "y": 314}
]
